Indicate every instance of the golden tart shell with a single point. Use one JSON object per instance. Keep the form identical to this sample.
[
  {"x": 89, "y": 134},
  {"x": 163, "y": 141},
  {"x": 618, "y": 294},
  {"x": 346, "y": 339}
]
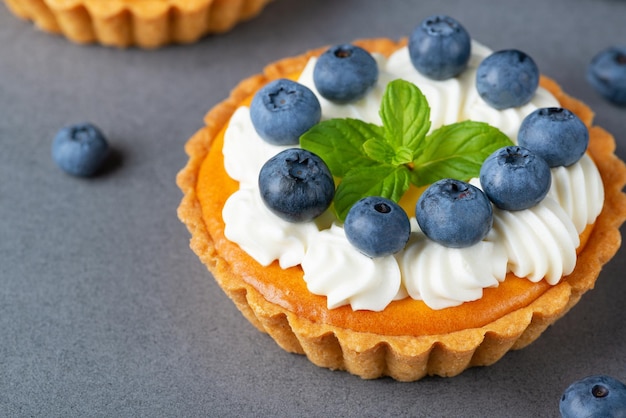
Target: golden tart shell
[{"x": 142, "y": 23}]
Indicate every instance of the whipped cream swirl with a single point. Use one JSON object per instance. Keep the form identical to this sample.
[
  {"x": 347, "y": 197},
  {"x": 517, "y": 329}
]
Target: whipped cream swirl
[
  {"x": 536, "y": 243},
  {"x": 366, "y": 283},
  {"x": 423, "y": 261}
]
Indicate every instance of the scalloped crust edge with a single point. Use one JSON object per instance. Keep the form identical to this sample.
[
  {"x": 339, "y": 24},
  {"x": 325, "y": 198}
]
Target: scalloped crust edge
[
  {"x": 404, "y": 358},
  {"x": 123, "y": 24}
]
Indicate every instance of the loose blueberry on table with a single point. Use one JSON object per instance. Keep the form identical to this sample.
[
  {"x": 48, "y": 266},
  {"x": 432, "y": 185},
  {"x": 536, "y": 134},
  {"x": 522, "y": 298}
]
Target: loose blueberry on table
[
  {"x": 296, "y": 185},
  {"x": 283, "y": 110},
  {"x": 377, "y": 226},
  {"x": 454, "y": 213},
  {"x": 555, "y": 134},
  {"x": 439, "y": 47},
  {"x": 594, "y": 396},
  {"x": 507, "y": 78},
  {"x": 607, "y": 74},
  {"x": 80, "y": 149},
  {"x": 345, "y": 73}
]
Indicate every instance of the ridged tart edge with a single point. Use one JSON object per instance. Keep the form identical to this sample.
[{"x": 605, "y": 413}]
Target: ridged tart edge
[
  {"x": 142, "y": 23},
  {"x": 403, "y": 358}
]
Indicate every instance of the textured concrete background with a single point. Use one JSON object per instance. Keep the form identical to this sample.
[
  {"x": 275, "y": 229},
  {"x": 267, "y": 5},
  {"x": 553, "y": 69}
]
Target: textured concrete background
[{"x": 104, "y": 310}]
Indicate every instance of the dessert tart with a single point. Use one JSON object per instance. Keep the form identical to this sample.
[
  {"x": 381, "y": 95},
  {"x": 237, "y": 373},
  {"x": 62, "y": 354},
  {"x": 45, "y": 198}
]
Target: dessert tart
[
  {"x": 406, "y": 337},
  {"x": 142, "y": 23}
]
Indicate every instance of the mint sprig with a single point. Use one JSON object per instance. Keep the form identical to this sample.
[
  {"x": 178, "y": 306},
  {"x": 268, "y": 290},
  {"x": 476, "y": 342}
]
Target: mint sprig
[{"x": 372, "y": 160}]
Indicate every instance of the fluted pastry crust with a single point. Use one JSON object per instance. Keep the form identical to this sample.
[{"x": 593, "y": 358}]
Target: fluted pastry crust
[
  {"x": 402, "y": 356},
  {"x": 143, "y": 23}
]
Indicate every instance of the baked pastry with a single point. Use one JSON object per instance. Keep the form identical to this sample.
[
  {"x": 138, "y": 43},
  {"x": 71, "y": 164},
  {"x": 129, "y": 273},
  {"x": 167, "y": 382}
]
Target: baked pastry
[
  {"x": 143, "y": 23},
  {"x": 407, "y": 339}
]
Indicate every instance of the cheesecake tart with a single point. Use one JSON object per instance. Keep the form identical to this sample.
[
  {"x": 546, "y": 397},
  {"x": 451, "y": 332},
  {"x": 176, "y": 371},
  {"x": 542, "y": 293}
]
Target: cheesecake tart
[{"x": 406, "y": 337}]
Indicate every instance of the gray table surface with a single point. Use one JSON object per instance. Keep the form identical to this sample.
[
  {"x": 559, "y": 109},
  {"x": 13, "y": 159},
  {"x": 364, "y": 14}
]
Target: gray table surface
[{"x": 104, "y": 309}]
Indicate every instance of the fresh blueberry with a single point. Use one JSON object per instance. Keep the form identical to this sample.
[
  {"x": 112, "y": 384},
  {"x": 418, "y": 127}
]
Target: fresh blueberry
[
  {"x": 344, "y": 73},
  {"x": 555, "y": 134},
  {"x": 607, "y": 74},
  {"x": 454, "y": 213},
  {"x": 80, "y": 149},
  {"x": 507, "y": 78},
  {"x": 594, "y": 396},
  {"x": 377, "y": 226},
  {"x": 439, "y": 47},
  {"x": 283, "y": 110},
  {"x": 296, "y": 185},
  {"x": 514, "y": 178}
]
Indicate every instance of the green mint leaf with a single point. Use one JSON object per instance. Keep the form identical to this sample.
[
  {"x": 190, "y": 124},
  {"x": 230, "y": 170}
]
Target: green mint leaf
[
  {"x": 405, "y": 113},
  {"x": 456, "y": 151},
  {"x": 383, "y": 180},
  {"x": 373, "y": 160},
  {"x": 403, "y": 155},
  {"x": 382, "y": 152},
  {"x": 339, "y": 142},
  {"x": 379, "y": 151}
]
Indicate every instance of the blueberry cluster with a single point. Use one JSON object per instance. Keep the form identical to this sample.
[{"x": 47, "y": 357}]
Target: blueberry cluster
[
  {"x": 512, "y": 178},
  {"x": 440, "y": 48},
  {"x": 298, "y": 186}
]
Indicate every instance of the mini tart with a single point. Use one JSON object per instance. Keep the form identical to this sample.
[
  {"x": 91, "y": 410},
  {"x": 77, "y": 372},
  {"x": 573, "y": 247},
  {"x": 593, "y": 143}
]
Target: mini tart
[
  {"x": 143, "y": 23},
  {"x": 407, "y": 340}
]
